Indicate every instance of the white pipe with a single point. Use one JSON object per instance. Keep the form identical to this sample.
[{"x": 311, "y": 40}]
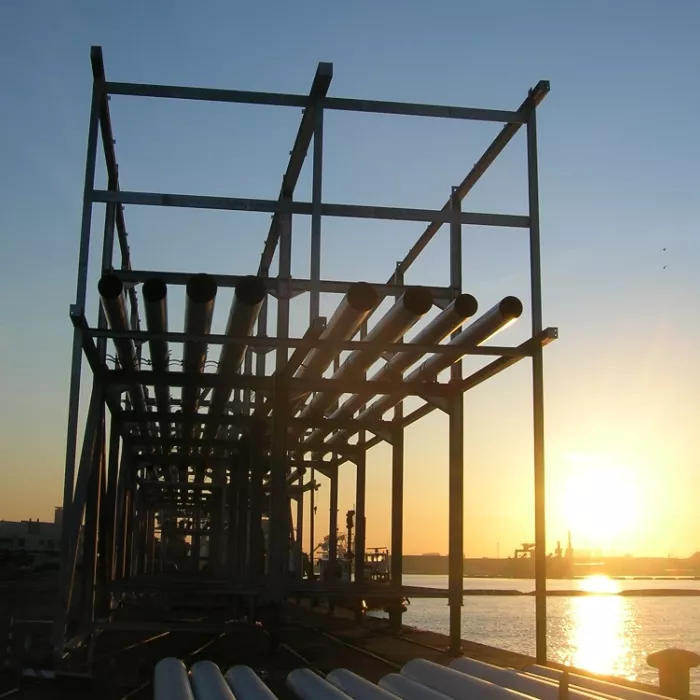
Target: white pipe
[
  {"x": 306, "y": 685},
  {"x": 507, "y": 678},
  {"x": 407, "y": 689},
  {"x": 356, "y": 687},
  {"x": 247, "y": 685},
  {"x": 208, "y": 683},
  {"x": 170, "y": 681},
  {"x": 455, "y": 684},
  {"x": 595, "y": 684}
]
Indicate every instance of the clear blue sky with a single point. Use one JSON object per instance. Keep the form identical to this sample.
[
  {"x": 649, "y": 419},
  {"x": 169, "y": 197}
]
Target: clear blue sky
[{"x": 619, "y": 149}]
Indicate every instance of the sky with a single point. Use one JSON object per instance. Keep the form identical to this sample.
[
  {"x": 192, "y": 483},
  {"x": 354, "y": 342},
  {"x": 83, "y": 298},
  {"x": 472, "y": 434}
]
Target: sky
[{"x": 618, "y": 153}]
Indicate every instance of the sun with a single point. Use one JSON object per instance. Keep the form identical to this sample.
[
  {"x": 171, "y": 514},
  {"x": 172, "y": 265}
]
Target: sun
[{"x": 601, "y": 502}]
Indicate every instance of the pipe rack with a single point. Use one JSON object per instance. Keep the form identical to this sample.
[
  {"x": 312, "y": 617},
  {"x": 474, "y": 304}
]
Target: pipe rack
[{"x": 240, "y": 444}]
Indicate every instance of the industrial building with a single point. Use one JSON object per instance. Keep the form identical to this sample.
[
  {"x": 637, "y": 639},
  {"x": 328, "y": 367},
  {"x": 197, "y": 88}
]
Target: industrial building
[{"x": 32, "y": 537}]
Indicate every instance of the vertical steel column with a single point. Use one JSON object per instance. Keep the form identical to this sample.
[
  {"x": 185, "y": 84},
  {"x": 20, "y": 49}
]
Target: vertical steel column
[
  {"x": 315, "y": 276},
  {"x": 397, "y": 483},
  {"x": 360, "y": 499},
  {"x": 360, "y": 494},
  {"x": 537, "y": 395},
  {"x": 111, "y": 501},
  {"x": 333, "y": 517},
  {"x": 92, "y": 519},
  {"x": 73, "y": 517},
  {"x": 233, "y": 557},
  {"x": 247, "y": 371},
  {"x": 456, "y": 451},
  {"x": 216, "y": 519},
  {"x": 254, "y": 565},
  {"x": 255, "y": 539},
  {"x": 278, "y": 549},
  {"x": 300, "y": 527},
  {"x": 241, "y": 524},
  {"x": 122, "y": 520},
  {"x": 77, "y": 352},
  {"x": 197, "y": 538}
]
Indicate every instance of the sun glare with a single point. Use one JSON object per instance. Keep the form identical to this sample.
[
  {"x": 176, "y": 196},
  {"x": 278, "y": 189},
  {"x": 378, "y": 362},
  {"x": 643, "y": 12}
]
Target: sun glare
[
  {"x": 601, "y": 499},
  {"x": 599, "y": 584}
]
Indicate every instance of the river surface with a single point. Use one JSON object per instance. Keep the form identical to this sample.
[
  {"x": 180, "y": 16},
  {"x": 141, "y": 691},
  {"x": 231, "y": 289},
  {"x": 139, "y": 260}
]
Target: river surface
[{"x": 602, "y": 633}]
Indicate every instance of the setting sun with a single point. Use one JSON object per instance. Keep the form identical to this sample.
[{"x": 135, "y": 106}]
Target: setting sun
[{"x": 601, "y": 500}]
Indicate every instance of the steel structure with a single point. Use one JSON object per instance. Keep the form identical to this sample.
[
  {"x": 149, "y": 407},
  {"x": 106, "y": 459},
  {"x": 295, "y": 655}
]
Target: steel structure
[{"x": 229, "y": 456}]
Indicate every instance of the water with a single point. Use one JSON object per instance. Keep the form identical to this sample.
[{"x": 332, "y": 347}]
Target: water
[{"x": 603, "y": 634}]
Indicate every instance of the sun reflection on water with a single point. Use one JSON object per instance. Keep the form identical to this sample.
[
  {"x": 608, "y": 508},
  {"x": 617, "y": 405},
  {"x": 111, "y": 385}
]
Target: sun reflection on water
[
  {"x": 599, "y": 584},
  {"x": 602, "y": 630}
]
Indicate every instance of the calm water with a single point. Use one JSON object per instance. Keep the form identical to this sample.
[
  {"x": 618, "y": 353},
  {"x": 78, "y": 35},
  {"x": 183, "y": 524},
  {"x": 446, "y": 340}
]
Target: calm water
[{"x": 604, "y": 634}]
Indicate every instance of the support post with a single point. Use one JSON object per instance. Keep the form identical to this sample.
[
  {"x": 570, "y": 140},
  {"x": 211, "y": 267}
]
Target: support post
[
  {"x": 537, "y": 395},
  {"x": 333, "y": 531},
  {"x": 76, "y": 361},
  {"x": 111, "y": 503},
  {"x": 300, "y": 528},
  {"x": 315, "y": 276},
  {"x": 232, "y": 552},
  {"x": 91, "y": 530},
  {"x": 397, "y": 482},
  {"x": 242, "y": 522},
  {"x": 279, "y": 508},
  {"x": 456, "y": 452},
  {"x": 360, "y": 494}
]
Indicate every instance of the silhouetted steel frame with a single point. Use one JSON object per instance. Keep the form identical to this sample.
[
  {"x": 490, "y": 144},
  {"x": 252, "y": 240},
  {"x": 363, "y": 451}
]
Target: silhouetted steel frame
[{"x": 126, "y": 521}]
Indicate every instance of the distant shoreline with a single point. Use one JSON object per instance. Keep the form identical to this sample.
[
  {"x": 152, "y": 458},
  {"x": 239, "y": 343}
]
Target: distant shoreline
[{"x": 573, "y": 593}]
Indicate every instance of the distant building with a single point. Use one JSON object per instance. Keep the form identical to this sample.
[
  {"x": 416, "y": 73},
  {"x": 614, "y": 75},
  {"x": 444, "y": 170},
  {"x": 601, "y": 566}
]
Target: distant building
[{"x": 32, "y": 536}]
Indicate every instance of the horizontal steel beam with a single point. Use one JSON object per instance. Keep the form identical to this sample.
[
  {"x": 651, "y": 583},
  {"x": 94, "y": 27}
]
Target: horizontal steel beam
[
  {"x": 281, "y": 99},
  {"x": 547, "y": 336},
  {"x": 256, "y": 383},
  {"x": 544, "y": 338},
  {"x": 257, "y": 342},
  {"x": 297, "y": 285},
  {"x": 206, "y": 419},
  {"x": 535, "y": 96},
  {"x": 180, "y": 485},
  {"x": 271, "y": 206},
  {"x": 297, "y": 156}
]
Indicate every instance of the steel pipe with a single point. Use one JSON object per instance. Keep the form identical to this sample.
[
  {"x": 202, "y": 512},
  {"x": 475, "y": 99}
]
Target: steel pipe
[
  {"x": 413, "y": 304},
  {"x": 360, "y": 300},
  {"x": 595, "y": 685},
  {"x": 508, "y": 678},
  {"x": 356, "y": 687},
  {"x": 407, "y": 689},
  {"x": 246, "y": 684},
  {"x": 455, "y": 684},
  {"x": 170, "y": 681},
  {"x": 111, "y": 292},
  {"x": 482, "y": 329},
  {"x": 199, "y": 310},
  {"x": 155, "y": 293},
  {"x": 306, "y": 685},
  {"x": 208, "y": 682},
  {"x": 247, "y": 301},
  {"x": 462, "y": 308}
]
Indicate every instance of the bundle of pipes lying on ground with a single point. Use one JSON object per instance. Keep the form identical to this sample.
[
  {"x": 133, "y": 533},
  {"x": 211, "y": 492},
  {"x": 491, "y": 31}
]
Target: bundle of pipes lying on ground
[{"x": 507, "y": 310}]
